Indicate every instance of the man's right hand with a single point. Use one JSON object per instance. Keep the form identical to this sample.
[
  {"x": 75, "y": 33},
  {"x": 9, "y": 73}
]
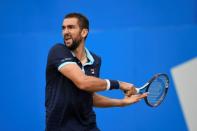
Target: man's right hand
[{"x": 128, "y": 88}]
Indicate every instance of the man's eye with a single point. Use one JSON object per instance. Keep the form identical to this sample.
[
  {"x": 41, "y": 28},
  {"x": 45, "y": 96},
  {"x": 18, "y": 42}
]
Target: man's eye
[{"x": 71, "y": 27}]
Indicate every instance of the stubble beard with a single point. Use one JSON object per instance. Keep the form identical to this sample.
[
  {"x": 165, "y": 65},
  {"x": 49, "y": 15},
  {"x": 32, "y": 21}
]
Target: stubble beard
[{"x": 74, "y": 45}]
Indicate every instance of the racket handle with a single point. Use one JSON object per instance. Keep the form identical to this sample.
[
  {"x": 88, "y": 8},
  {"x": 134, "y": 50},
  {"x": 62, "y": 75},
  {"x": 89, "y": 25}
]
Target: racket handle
[{"x": 137, "y": 90}]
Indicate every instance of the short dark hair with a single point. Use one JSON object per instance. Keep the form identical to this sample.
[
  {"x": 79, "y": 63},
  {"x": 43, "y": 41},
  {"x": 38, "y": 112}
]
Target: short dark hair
[{"x": 83, "y": 21}]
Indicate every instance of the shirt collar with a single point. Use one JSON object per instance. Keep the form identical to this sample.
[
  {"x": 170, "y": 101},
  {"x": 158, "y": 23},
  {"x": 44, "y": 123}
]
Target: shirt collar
[{"x": 89, "y": 56}]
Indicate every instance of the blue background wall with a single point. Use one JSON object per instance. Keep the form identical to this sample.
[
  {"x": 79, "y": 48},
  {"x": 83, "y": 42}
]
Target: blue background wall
[{"x": 136, "y": 39}]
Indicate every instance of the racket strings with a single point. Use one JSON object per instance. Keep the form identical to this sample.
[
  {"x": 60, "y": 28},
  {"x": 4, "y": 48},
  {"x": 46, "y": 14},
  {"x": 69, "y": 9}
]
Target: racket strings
[{"x": 156, "y": 91}]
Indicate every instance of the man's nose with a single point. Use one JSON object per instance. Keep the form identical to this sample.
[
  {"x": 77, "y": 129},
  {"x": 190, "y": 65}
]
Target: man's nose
[{"x": 66, "y": 31}]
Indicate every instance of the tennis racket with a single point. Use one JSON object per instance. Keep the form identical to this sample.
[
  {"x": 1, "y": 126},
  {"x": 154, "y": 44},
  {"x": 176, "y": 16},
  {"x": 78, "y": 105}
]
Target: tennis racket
[{"x": 157, "y": 87}]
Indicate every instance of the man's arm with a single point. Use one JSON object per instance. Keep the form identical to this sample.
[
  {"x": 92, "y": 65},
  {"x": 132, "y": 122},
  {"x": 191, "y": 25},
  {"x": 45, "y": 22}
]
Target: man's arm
[
  {"x": 102, "y": 101},
  {"x": 88, "y": 83}
]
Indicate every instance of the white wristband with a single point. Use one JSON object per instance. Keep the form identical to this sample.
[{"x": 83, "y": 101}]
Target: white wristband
[{"x": 108, "y": 84}]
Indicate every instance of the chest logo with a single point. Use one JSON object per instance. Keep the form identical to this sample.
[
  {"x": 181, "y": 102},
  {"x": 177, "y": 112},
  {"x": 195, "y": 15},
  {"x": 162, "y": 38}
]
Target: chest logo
[{"x": 92, "y": 71}]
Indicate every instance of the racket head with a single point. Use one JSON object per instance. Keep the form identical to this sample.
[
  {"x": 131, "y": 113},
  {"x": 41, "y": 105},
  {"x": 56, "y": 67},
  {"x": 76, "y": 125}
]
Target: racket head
[{"x": 157, "y": 88}]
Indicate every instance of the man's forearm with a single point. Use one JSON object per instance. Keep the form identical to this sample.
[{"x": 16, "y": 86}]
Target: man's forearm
[
  {"x": 102, "y": 101},
  {"x": 93, "y": 84},
  {"x": 85, "y": 82},
  {"x": 82, "y": 81}
]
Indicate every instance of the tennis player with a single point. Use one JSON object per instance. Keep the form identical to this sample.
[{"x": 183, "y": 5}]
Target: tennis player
[{"x": 72, "y": 81}]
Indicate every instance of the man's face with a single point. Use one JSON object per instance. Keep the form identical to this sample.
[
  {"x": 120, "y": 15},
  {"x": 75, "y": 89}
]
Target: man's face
[{"x": 71, "y": 33}]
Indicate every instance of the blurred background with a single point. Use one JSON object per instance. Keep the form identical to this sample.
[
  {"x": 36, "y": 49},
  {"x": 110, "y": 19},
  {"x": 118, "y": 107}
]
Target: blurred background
[{"x": 135, "y": 38}]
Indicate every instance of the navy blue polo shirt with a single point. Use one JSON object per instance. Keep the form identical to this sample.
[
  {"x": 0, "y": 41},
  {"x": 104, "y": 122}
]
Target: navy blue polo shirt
[{"x": 67, "y": 107}]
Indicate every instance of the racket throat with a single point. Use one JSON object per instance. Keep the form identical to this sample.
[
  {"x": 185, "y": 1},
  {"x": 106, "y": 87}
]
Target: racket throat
[{"x": 142, "y": 89}]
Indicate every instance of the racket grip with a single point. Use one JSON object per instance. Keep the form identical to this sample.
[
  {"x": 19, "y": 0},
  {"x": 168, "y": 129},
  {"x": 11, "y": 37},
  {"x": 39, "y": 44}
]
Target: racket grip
[{"x": 137, "y": 90}]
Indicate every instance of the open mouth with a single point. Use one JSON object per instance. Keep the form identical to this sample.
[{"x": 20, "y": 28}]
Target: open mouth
[{"x": 68, "y": 40}]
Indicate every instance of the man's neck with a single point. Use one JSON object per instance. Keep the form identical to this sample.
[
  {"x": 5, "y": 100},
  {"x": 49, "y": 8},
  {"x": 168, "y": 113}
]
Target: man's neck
[{"x": 80, "y": 52}]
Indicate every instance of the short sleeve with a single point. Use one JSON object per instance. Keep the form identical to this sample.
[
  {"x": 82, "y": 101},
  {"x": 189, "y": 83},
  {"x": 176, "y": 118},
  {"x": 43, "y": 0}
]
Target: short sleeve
[{"x": 60, "y": 56}]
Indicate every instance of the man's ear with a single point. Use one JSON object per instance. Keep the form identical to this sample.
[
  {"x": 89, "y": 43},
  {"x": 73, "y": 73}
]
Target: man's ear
[{"x": 84, "y": 33}]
